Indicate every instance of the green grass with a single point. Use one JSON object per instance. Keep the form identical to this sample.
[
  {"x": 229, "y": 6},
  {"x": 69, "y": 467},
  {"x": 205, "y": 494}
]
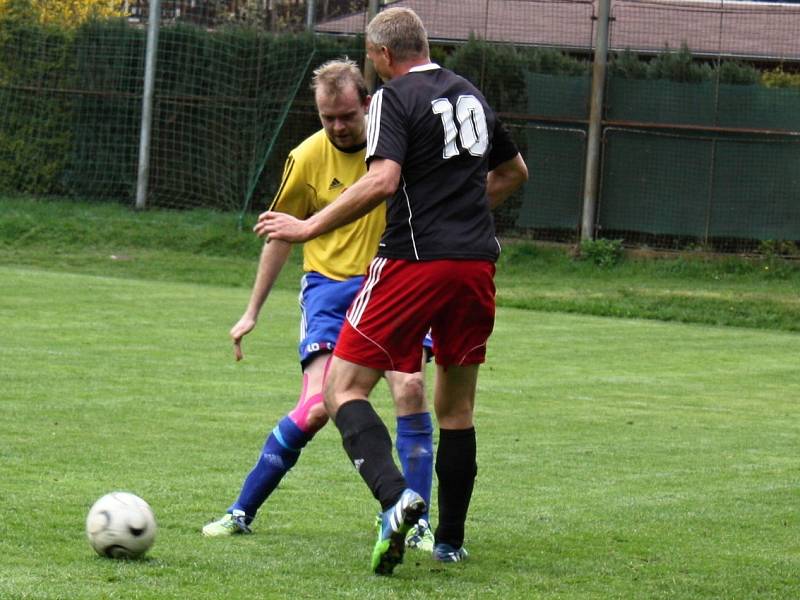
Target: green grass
[
  {"x": 618, "y": 457},
  {"x": 742, "y": 292},
  {"x": 111, "y": 240}
]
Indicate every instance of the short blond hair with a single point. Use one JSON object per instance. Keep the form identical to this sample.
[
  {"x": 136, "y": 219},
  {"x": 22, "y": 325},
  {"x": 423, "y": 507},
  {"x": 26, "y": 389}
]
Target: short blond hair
[
  {"x": 334, "y": 76},
  {"x": 401, "y": 31}
]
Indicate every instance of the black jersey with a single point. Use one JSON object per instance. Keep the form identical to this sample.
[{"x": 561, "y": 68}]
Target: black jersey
[{"x": 440, "y": 129}]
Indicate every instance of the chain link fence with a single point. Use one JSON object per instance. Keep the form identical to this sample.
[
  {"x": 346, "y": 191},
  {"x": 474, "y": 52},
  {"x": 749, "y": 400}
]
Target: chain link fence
[{"x": 699, "y": 131}]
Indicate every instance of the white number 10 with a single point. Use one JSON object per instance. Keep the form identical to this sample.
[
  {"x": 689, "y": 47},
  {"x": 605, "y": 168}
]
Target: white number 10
[{"x": 471, "y": 127}]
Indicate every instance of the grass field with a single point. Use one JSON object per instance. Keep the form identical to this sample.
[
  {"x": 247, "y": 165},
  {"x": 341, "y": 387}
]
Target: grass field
[
  {"x": 104, "y": 239},
  {"x": 618, "y": 457}
]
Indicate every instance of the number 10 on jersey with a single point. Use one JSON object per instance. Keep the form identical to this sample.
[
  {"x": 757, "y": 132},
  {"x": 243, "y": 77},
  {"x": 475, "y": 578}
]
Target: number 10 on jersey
[{"x": 467, "y": 123}]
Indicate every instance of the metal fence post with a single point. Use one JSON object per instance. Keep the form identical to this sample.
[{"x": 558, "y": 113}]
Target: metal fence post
[
  {"x": 153, "y": 24},
  {"x": 592, "y": 174},
  {"x": 311, "y": 10}
]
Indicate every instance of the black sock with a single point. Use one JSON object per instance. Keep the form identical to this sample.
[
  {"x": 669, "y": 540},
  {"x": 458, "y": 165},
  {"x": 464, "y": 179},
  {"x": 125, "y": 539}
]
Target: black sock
[
  {"x": 369, "y": 446},
  {"x": 456, "y": 470}
]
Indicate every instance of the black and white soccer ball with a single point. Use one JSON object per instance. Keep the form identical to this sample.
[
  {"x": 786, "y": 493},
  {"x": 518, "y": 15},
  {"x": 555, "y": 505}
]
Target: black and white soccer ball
[{"x": 121, "y": 525}]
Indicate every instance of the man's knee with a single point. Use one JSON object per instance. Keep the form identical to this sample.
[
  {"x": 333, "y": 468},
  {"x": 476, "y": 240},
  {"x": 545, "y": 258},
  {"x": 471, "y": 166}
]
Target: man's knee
[
  {"x": 329, "y": 400},
  {"x": 346, "y": 382},
  {"x": 454, "y": 413},
  {"x": 317, "y": 418},
  {"x": 338, "y": 390},
  {"x": 409, "y": 394}
]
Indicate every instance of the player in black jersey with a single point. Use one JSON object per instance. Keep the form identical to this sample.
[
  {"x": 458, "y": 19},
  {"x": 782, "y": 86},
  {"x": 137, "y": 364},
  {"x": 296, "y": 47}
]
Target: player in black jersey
[{"x": 438, "y": 151}]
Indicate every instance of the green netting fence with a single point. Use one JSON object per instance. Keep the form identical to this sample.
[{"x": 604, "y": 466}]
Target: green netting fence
[
  {"x": 690, "y": 189},
  {"x": 72, "y": 100},
  {"x": 699, "y": 164},
  {"x": 700, "y": 132}
]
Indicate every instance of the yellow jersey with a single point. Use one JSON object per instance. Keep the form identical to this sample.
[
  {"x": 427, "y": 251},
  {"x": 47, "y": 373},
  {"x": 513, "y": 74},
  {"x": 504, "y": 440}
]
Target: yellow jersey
[{"x": 316, "y": 173}]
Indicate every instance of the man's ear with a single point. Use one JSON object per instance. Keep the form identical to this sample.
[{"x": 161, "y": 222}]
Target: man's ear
[{"x": 388, "y": 55}]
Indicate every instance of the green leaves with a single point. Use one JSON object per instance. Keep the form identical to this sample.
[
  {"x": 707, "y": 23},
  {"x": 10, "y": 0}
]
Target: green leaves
[{"x": 602, "y": 252}]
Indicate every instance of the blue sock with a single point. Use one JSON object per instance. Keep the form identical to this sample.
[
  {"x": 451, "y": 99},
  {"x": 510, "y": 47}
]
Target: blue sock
[
  {"x": 415, "y": 450},
  {"x": 280, "y": 453}
]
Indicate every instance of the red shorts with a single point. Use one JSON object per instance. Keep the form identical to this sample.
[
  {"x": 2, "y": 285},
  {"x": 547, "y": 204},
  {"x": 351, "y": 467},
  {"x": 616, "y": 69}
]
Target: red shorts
[{"x": 401, "y": 299}]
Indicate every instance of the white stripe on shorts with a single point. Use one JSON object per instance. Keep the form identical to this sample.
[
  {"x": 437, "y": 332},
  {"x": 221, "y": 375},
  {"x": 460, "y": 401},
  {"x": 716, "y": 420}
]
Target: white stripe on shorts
[
  {"x": 356, "y": 310},
  {"x": 303, "y": 317}
]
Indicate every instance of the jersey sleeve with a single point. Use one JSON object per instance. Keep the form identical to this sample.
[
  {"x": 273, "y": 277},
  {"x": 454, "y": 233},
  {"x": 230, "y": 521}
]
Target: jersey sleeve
[
  {"x": 295, "y": 195},
  {"x": 387, "y": 136},
  {"x": 503, "y": 146}
]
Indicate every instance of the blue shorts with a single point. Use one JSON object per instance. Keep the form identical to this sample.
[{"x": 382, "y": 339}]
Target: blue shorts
[{"x": 323, "y": 304}]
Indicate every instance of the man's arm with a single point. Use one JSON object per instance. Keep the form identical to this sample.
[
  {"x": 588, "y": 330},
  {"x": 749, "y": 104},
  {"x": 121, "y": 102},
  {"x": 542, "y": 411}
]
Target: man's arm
[
  {"x": 505, "y": 179},
  {"x": 273, "y": 257},
  {"x": 379, "y": 183}
]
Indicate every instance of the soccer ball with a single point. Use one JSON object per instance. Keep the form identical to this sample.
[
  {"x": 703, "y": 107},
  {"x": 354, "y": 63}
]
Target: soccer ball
[{"x": 121, "y": 525}]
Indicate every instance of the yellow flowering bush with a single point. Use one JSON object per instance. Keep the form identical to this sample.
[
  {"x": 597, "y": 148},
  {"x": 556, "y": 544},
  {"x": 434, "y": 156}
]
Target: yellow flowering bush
[
  {"x": 68, "y": 13},
  {"x": 778, "y": 78}
]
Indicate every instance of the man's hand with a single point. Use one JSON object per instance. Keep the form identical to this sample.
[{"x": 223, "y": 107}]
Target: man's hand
[
  {"x": 280, "y": 226},
  {"x": 244, "y": 326}
]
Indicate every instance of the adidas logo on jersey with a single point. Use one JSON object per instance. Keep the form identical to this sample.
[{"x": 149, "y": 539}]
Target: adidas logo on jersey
[{"x": 335, "y": 183}]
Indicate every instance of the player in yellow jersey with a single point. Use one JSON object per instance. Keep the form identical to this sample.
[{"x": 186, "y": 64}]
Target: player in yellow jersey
[{"x": 316, "y": 173}]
